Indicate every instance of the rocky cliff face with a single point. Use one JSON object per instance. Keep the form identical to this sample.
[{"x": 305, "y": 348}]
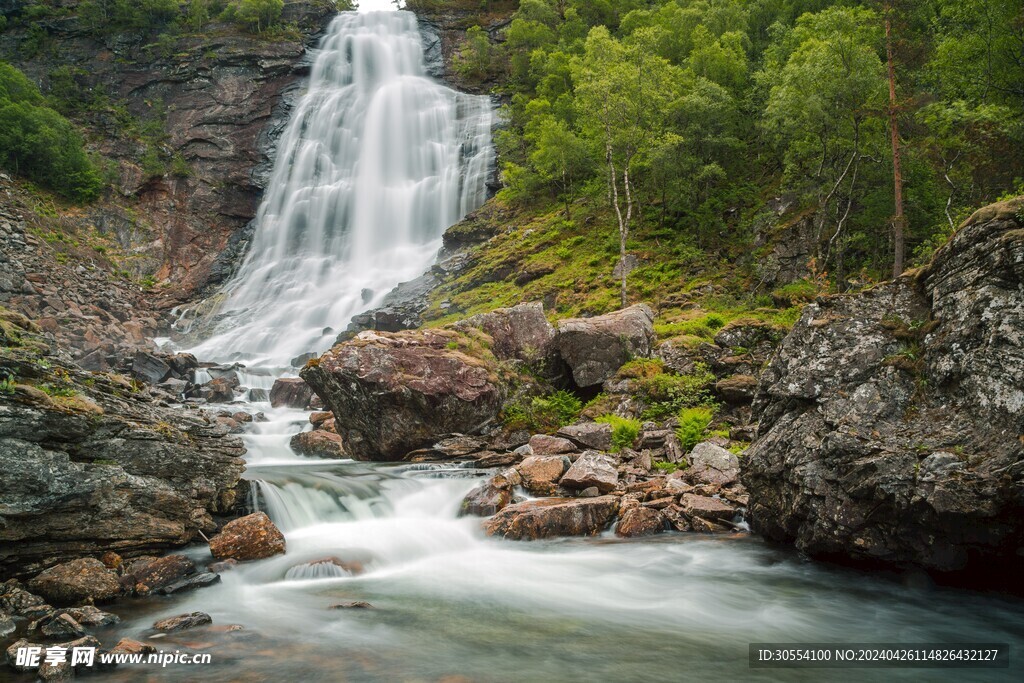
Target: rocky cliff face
[
  {"x": 216, "y": 101},
  {"x": 92, "y": 462},
  {"x": 892, "y": 421}
]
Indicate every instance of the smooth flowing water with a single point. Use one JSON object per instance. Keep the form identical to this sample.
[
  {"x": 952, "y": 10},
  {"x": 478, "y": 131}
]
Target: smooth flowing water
[{"x": 376, "y": 163}]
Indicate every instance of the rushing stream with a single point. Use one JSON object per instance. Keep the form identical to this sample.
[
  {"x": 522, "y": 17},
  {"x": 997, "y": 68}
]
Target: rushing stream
[{"x": 376, "y": 163}]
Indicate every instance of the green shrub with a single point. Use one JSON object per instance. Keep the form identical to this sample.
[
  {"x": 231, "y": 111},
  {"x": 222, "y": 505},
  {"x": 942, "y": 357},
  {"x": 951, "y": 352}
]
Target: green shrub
[
  {"x": 624, "y": 430},
  {"x": 693, "y": 423},
  {"x": 542, "y": 413},
  {"x": 665, "y": 394}
]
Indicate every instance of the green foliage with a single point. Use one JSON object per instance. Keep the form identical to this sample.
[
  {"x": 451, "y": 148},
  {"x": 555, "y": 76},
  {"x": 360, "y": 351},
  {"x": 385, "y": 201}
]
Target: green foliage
[
  {"x": 257, "y": 15},
  {"x": 693, "y": 424},
  {"x": 542, "y": 413},
  {"x": 473, "y": 58},
  {"x": 624, "y": 430},
  {"x": 665, "y": 394},
  {"x": 40, "y": 144}
]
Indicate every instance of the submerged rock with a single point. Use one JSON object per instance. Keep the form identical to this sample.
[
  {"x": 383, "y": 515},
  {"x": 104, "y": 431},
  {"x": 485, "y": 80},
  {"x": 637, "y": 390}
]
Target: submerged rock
[
  {"x": 253, "y": 537},
  {"x": 890, "y": 419},
  {"x": 183, "y": 622},
  {"x": 392, "y": 393},
  {"x": 552, "y": 517}
]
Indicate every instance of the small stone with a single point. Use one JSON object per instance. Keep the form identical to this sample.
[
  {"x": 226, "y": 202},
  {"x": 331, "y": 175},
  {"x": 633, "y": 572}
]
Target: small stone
[
  {"x": 290, "y": 392},
  {"x": 707, "y": 507},
  {"x": 162, "y": 572},
  {"x": 352, "y": 605},
  {"x": 222, "y": 565},
  {"x": 589, "y": 492},
  {"x": 713, "y": 464},
  {"x": 183, "y": 622},
  {"x": 127, "y": 646},
  {"x": 595, "y": 435},
  {"x": 190, "y": 583}
]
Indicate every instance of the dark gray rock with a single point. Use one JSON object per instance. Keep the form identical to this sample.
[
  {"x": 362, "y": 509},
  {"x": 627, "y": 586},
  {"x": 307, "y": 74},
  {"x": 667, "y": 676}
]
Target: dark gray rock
[
  {"x": 890, "y": 419},
  {"x": 595, "y": 348}
]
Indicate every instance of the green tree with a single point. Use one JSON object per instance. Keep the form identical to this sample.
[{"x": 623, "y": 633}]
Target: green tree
[
  {"x": 826, "y": 106},
  {"x": 473, "y": 58},
  {"x": 624, "y": 97},
  {"x": 258, "y": 14}
]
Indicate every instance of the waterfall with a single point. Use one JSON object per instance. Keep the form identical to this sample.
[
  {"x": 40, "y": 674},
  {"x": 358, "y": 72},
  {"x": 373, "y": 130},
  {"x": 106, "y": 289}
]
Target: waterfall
[{"x": 376, "y": 162}]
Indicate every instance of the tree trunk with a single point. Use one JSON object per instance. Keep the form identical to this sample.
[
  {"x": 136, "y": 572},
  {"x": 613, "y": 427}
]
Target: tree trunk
[
  {"x": 623, "y": 220},
  {"x": 898, "y": 220}
]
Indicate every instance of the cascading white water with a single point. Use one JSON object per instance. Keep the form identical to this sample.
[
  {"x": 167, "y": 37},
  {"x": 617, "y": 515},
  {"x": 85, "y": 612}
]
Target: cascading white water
[{"x": 376, "y": 162}]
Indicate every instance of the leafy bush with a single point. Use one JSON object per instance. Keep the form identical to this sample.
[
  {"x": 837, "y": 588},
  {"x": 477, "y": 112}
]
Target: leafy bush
[
  {"x": 665, "y": 394},
  {"x": 38, "y": 143},
  {"x": 542, "y": 413},
  {"x": 693, "y": 423},
  {"x": 624, "y": 430}
]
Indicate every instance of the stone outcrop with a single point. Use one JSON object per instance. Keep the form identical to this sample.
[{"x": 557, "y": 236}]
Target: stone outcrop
[
  {"x": 520, "y": 333},
  {"x": 891, "y": 420},
  {"x": 595, "y": 348},
  {"x": 91, "y": 463},
  {"x": 392, "y": 392}
]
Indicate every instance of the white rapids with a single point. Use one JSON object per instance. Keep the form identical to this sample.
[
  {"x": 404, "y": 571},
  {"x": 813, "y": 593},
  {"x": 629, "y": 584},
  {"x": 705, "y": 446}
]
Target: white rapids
[{"x": 376, "y": 162}]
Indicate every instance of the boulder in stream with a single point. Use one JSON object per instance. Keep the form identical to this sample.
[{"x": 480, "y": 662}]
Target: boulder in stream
[
  {"x": 553, "y": 517},
  {"x": 253, "y": 537}
]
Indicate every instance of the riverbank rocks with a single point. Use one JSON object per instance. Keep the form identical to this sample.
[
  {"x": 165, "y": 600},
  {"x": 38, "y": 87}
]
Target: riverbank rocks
[
  {"x": 147, "y": 577},
  {"x": 75, "y": 582},
  {"x": 253, "y": 537},
  {"x": 541, "y": 473},
  {"x": 891, "y": 420},
  {"x": 97, "y": 465},
  {"x": 393, "y": 393},
  {"x": 319, "y": 444},
  {"x": 553, "y": 517},
  {"x": 543, "y": 444},
  {"x": 640, "y": 521},
  {"x": 595, "y": 435},
  {"x": 592, "y": 469},
  {"x": 595, "y": 348},
  {"x": 711, "y": 464},
  {"x": 290, "y": 392}
]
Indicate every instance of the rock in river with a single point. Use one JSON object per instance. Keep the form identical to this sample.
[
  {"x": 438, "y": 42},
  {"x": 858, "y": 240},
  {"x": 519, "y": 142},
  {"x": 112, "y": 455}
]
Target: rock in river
[
  {"x": 77, "y": 581},
  {"x": 554, "y": 517},
  {"x": 253, "y": 537}
]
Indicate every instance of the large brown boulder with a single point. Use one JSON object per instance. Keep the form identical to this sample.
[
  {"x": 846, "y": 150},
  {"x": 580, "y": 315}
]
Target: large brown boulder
[
  {"x": 253, "y": 537},
  {"x": 553, "y": 517},
  {"x": 392, "y": 393},
  {"x": 595, "y": 348},
  {"x": 889, "y": 419},
  {"x": 77, "y": 581}
]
